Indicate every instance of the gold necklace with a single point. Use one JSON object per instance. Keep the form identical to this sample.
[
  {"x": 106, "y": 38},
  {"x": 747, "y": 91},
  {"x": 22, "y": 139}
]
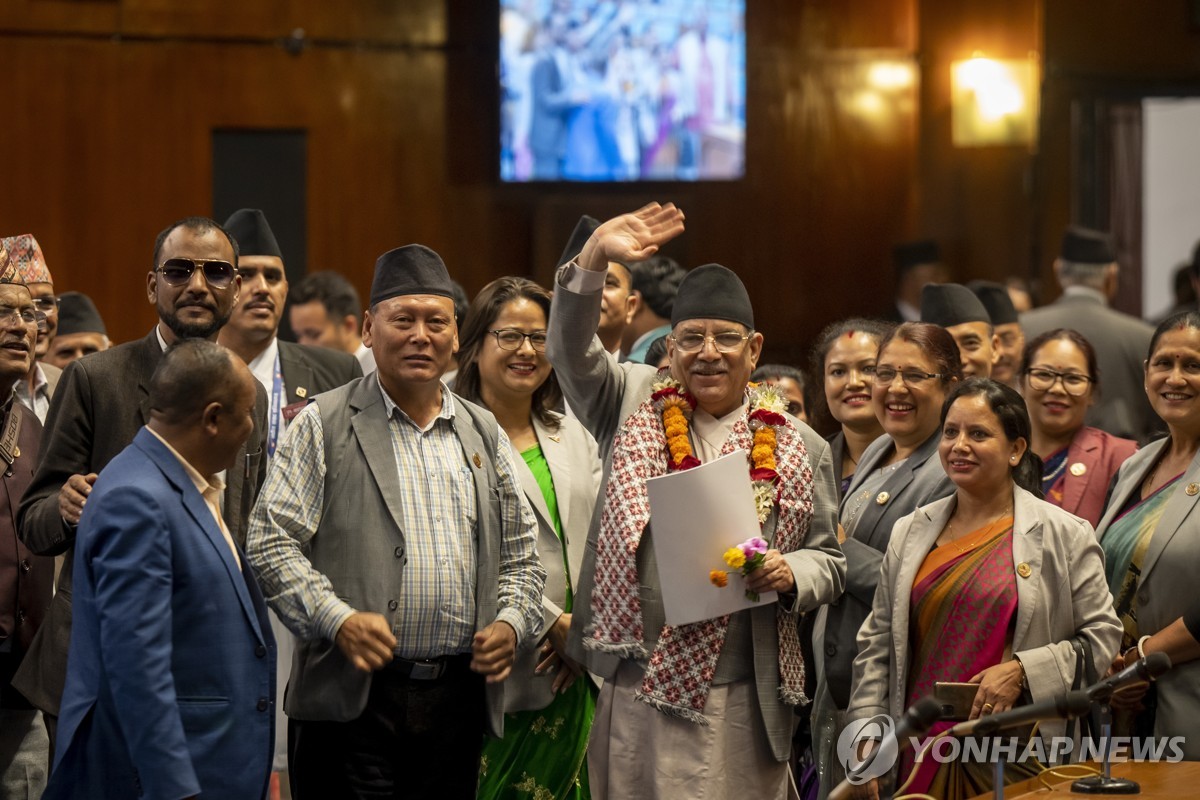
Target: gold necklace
[{"x": 954, "y": 541}]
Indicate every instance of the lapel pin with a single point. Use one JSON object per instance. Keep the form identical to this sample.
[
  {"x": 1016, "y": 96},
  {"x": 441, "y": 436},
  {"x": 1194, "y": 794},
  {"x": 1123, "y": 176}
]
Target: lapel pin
[
  {"x": 1192, "y": 489},
  {"x": 1024, "y": 570},
  {"x": 882, "y": 498},
  {"x": 1078, "y": 468},
  {"x": 555, "y": 438},
  {"x": 476, "y": 460},
  {"x": 301, "y": 391}
]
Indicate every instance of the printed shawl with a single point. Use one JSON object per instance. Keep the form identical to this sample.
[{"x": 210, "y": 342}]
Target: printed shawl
[{"x": 682, "y": 666}]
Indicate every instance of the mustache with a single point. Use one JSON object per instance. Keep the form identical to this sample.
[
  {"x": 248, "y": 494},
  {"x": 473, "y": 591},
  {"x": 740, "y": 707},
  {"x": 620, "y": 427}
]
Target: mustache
[{"x": 702, "y": 368}]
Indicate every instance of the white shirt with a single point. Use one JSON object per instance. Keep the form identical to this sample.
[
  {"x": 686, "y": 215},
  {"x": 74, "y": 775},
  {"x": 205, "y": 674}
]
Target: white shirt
[{"x": 366, "y": 359}]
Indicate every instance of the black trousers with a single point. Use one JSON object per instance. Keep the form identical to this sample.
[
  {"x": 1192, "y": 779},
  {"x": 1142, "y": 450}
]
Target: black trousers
[{"x": 415, "y": 739}]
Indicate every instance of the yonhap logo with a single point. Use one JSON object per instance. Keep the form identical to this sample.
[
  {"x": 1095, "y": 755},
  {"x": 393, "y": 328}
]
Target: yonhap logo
[{"x": 881, "y": 755}]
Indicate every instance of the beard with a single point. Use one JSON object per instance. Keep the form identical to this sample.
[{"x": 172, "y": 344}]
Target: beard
[{"x": 196, "y": 330}]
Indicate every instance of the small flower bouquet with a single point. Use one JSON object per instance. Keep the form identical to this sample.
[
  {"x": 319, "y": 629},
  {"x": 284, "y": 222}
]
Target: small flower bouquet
[{"x": 745, "y": 557}]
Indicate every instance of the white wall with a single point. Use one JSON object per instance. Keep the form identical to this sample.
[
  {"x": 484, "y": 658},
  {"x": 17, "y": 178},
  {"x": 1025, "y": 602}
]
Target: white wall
[{"x": 1171, "y": 199}]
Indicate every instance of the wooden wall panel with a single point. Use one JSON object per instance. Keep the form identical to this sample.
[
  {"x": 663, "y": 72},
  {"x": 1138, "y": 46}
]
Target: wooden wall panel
[{"x": 115, "y": 138}]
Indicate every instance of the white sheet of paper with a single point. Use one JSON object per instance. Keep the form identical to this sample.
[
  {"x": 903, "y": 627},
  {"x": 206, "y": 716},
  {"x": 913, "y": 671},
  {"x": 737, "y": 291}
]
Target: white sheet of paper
[{"x": 696, "y": 516}]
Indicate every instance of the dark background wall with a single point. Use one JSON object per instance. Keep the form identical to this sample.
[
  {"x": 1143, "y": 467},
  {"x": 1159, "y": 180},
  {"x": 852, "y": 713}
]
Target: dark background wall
[{"x": 112, "y": 104}]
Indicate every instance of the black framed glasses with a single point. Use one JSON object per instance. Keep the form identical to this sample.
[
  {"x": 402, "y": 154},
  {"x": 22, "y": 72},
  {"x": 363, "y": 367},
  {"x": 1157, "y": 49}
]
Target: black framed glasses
[
  {"x": 724, "y": 342},
  {"x": 909, "y": 377},
  {"x": 26, "y": 316},
  {"x": 178, "y": 271},
  {"x": 511, "y": 339},
  {"x": 1073, "y": 383}
]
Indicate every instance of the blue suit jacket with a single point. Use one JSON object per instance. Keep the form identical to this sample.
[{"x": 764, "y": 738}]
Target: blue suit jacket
[{"x": 171, "y": 676}]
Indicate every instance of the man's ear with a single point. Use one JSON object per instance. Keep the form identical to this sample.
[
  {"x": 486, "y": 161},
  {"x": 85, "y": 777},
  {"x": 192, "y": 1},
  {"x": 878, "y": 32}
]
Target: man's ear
[
  {"x": 633, "y": 304},
  {"x": 211, "y": 417}
]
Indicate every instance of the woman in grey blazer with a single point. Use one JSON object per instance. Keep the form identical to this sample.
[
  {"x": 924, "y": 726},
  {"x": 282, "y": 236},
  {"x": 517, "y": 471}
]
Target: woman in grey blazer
[
  {"x": 548, "y": 699},
  {"x": 917, "y": 365},
  {"x": 986, "y": 586},
  {"x": 1150, "y": 533}
]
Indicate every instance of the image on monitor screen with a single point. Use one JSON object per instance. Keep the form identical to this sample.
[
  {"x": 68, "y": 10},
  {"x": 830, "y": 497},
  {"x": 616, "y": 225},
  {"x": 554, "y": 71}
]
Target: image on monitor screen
[{"x": 622, "y": 90}]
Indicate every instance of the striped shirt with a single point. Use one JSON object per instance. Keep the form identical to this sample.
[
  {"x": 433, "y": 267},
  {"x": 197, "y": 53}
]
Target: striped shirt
[{"x": 436, "y": 613}]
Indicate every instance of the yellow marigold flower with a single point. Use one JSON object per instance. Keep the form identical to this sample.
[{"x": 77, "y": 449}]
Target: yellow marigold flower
[
  {"x": 765, "y": 435},
  {"x": 676, "y": 428},
  {"x": 718, "y": 578},
  {"x": 763, "y": 457},
  {"x": 680, "y": 450},
  {"x": 734, "y": 557}
]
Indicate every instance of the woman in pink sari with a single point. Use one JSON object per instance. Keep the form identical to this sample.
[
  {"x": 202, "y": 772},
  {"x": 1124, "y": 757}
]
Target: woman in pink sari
[{"x": 985, "y": 587}]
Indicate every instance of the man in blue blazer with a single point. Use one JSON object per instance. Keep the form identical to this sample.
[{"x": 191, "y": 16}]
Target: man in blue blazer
[{"x": 171, "y": 677}]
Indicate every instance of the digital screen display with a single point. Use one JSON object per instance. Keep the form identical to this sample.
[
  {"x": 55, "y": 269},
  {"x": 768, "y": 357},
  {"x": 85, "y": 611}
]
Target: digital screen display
[{"x": 633, "y": 90}]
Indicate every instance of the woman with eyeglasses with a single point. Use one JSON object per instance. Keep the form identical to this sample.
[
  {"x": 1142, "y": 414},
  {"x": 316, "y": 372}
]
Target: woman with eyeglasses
[
  {"x": 985, "y": 587},
  {"x": 1060, "y": 381},
  {"x": 549, "y": 699},
  {"x": 844, "y": 359},
  {"x": 917, "y": 365},
  {"x": 1150, "y": 533}
]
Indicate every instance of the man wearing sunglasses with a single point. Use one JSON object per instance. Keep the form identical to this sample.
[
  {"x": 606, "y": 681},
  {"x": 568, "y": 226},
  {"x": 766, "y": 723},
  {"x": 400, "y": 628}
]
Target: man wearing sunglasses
[
  {"x": 25, "y": 578},
  {"x": 101, "y": 404},
  {"x": 37, "y": 385}
]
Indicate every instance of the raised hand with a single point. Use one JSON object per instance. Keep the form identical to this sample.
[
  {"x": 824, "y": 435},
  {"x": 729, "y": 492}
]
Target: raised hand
[{"x": 631, "y": 237}]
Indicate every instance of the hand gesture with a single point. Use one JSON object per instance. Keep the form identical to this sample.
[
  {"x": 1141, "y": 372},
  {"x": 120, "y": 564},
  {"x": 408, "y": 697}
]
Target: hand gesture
[
  {"x": 773, "y": 575},
  {"x": 999, "y": 688},
  {"x": 73, "y": 495},
  {"x": 493, "y": 651},
  {"x": 1129, "y": 697},
  {"x": 553, "y": 655},
  {"x": 631, "y": 237},
  {"x": 366, "y": 639}
]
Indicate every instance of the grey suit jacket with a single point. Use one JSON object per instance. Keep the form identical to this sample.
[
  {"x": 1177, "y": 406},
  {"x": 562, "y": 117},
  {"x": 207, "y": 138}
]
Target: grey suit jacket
[
  {"x": 1167, "y": 587},
  {"x": 1121, "y": 343},
  {"x": 101, "y": 402},
  {"x": 359, "y": 544},
  {"x": 575, "y": 466},
  {"x": 1065, "y": 594},
  {"x": 917, "y": 482},
  {"x": 603, "y": 393}
]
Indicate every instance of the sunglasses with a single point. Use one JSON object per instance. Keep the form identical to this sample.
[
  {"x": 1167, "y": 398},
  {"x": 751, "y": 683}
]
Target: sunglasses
[{"x": 178, "y": 271}]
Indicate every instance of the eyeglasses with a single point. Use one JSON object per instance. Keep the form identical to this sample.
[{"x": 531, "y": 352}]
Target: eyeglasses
[
  {"x": 909, "y": 377},
  {"x": 178, "y": 271},
  {"x": 26, "y": 316},
  {"x": 725, "y": 342},
  {"x": 46, "y": 305},
  {"x": 1073, "y": 383},
  {"x": 512, "y": 339}
]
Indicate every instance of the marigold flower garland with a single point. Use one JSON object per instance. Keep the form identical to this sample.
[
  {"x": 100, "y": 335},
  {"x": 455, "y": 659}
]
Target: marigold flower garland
[{"x": 767, "y": 405}]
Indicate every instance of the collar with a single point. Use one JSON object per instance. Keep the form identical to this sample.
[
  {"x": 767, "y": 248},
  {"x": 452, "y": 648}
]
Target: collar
[
  {"x": 203, "y": 485},
  {"x": 1086, "y": 292},
  {"x": 262, "y": 366},
  {"x": 649, "y": 336},
  {"x": 447, "y": 412},
  {"x": 161, "y": 343},
  {"x": 39, "y": 379}
]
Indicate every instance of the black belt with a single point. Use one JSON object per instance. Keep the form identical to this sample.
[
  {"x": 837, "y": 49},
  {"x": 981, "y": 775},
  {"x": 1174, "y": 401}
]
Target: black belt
[{"x": 428, "y": 669}]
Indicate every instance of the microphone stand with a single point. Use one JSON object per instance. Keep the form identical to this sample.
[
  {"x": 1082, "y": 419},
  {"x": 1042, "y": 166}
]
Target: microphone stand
[{"x": 1105, "y": 783}]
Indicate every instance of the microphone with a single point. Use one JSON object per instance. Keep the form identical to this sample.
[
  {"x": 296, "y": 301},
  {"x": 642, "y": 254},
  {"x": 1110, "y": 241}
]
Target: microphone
[
  {"x": 914, "y": 722},
  {"x": 917, "y": 719},
  {"x": 1065, "y": 706},
  {"x": 1144, "y": 669}
]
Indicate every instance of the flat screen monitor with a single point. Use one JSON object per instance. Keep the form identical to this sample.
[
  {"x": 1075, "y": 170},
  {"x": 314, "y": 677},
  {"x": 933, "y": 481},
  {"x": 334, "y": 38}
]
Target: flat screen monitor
[{"x": 622, "y": 90}]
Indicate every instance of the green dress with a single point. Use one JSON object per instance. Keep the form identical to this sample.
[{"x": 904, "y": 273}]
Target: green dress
[{"x": 543, "y": 755}]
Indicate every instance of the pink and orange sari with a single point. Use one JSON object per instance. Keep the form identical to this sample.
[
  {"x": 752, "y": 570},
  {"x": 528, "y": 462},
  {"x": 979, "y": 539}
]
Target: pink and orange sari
[{"x": 964, "y": 606}]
